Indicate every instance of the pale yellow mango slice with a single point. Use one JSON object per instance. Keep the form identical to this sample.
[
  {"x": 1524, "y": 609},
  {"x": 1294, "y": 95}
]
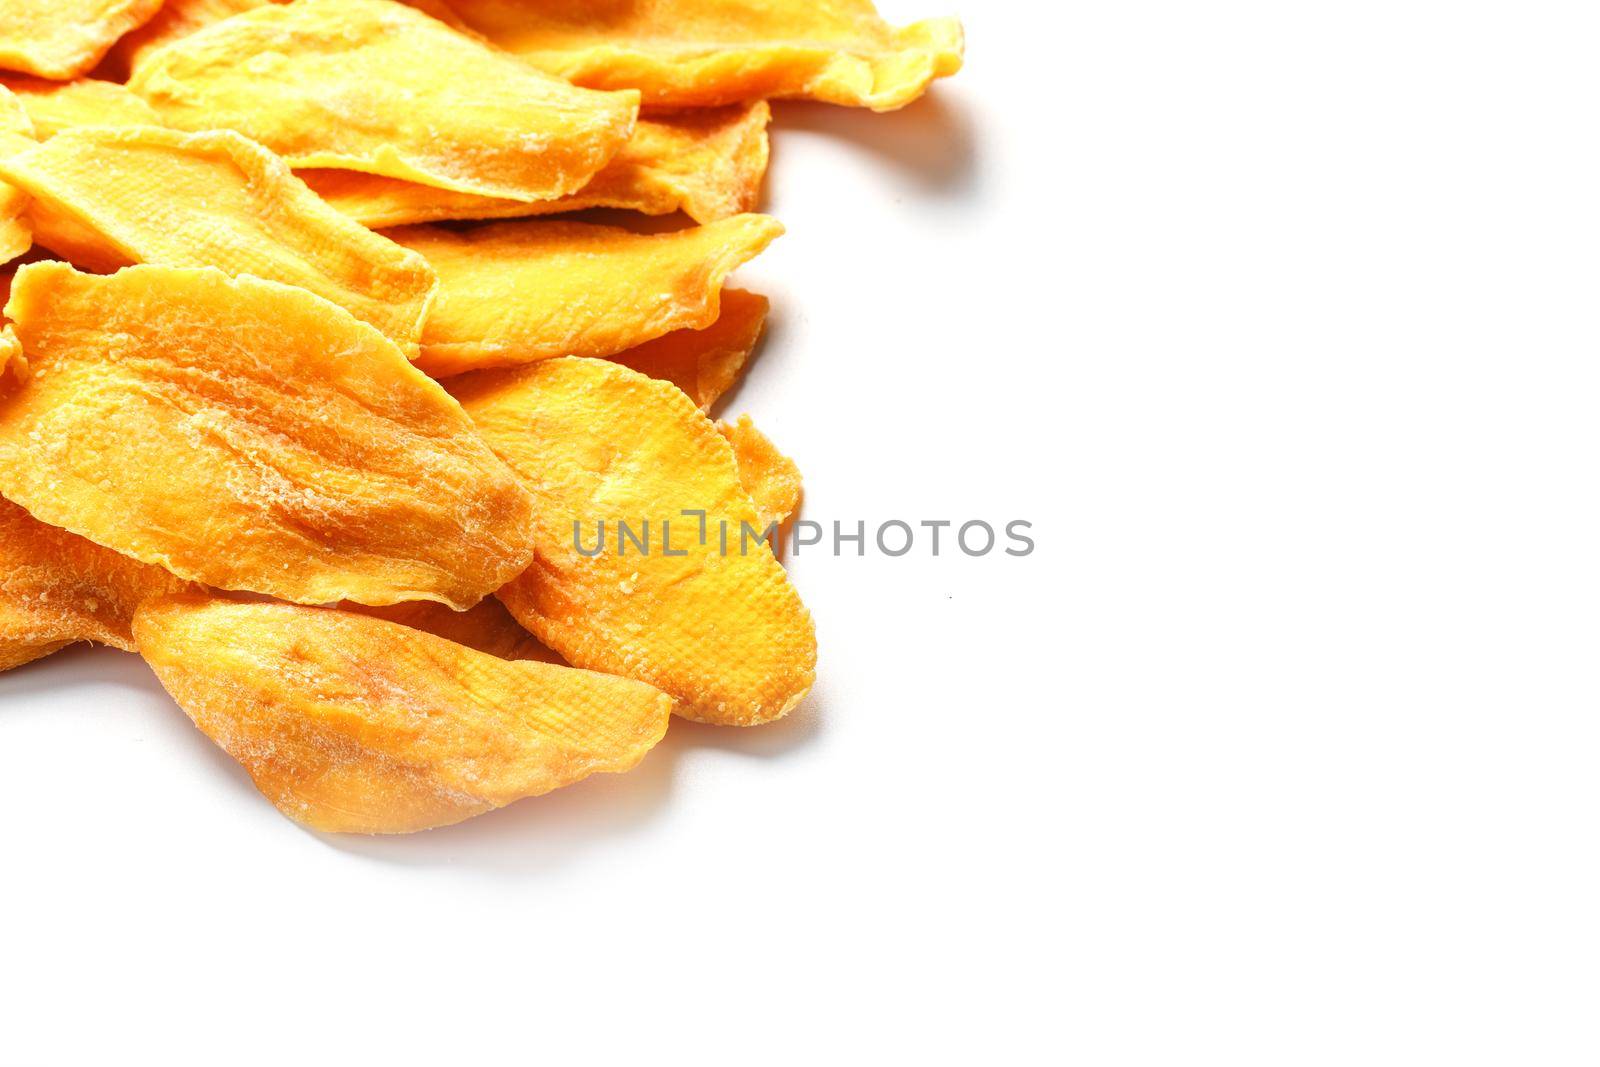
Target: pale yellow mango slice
[
  {"x": 250, "y": 435},
  {"x": 180, "y": 18},
  {"x": 374, "y": 86},
  {"x": 708, "y": 164},
  {"x": 106, "y": 198},
  {"x": 720, "y": 629},
  {"x": 771, "y": 478},
  {"x": 56, "y": 106},
  {"x": 16, "y": 135},
  {"x": 518, "y": 292},
  {"x": 705, "y": 363},
  {"x": 57, "y": 589},
  {"x": 65, "y": 38},
  {"x": 351, "y": 724},
  {"x": 701, "y": 53}
]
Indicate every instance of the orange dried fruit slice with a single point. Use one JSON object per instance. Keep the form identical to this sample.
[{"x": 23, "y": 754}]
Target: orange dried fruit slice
[
  {"x": 771, "y": 478},
  {"x": 709, "y": 164},
  {"x": 65, "y": 38},
  {"x": 375, "y": 86},
  {"x": 56, "y": 106},
  {"x": 107, "y": 198},
  {"x": 721, "y": 630},
  {"x": 57, "y": 589},
  {"x": 250, "y": 435},
  {"x": 351, "y": 724},
  {"x": 16, "y": 135},
  {"x": 705, "y": 363},
  {"x": 701, "y": 53},
  {"x": 517, "y": 292}
]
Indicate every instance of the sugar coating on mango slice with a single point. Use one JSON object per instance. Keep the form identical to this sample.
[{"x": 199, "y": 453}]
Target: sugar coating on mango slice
[
  {"x": 375, "y": 86},
  {"x": 713, "y": 622},
  {"x": 16, "y": 135},
  {"x": 250, "y": 435},
  {"x": 106, "y": 198},
  {"x": 701, "y": 53},
  {"x": 57, "y": 589},
  {"x": 518, "y": 292},
  {"x": 55, "y": 106},
  {"x": 710, "y": 164},
  {"x": 65, "y": 38},
  {"x": 705, "y": 363},
  {"x": 350, "y": 724},
  {"x": 770, "y": 478}
]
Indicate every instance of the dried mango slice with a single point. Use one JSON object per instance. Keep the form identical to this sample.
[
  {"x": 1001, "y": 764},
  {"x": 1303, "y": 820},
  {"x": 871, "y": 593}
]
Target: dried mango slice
[
  {"x": 769, "y": 477},
  {"x": 488, "y": 628},
  {"x": 180, "y": 18},
  {"x": 57, "y": 106},
  {"x": 351, "y": 724},
  {"x": 701, "y": 53},
  {"x": 721, "y": 631},
  {"x": 705, "y": 363},
  {"x": 57, "y": 589},
  {"x": 517, "y": 292},
  {"x": 175, "y": 20},
  {"x": 374, "y": 86},
  {"x": 16, "y": 135},
  {"x": 65, "y": 38},
  {"x": 250, "y": 435},
  {"x": 709, "y": 164},
  {"x": 107, "y": 198}
]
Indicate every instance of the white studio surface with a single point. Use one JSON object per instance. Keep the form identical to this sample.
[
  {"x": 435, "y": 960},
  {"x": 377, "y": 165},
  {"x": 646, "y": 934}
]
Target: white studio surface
[{"x": 1277, "y": 321}]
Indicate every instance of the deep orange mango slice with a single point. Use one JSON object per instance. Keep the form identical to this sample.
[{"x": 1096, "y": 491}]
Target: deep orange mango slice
[
  {"x": 713, "y": 622},
  {"x": 518, "y": 292},
  {"x": 350, "y": 724},
  {"x": 250, "y": 435},
  {"x": 107, "y": 198}
]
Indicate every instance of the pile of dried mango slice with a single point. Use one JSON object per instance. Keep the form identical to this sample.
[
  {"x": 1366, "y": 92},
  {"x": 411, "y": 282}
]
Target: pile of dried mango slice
[{"x": 305, "y": 400}]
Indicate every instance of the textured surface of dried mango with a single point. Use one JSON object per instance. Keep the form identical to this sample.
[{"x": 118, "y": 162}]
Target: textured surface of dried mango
[
  {"x": 56, "y": 106},
  {"x": 771, "y": 478},
  {"x": 722, "y": 631},
  {"x": 375, "y": 86},
  {"x": 176, "y": 19},
  {"x": 107, "y": 198},
  {"x": 16, "y": 135},
  {"x": 701, "y": 53},
  {"x": 709, "y": 164},
  {"x": 65, "y": 38},
  {"x": 518, "y": 292},
  {"x": 57, "y": 589},
  {"x": 250, "y": 435},
  {"x": 705, "y": 363},
  {"x": 351, "y": 724},
  {"x": 489, "y": 627}
]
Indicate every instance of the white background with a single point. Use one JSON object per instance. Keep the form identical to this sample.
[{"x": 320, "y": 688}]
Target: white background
[{"x": 1278, "y": 320}]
